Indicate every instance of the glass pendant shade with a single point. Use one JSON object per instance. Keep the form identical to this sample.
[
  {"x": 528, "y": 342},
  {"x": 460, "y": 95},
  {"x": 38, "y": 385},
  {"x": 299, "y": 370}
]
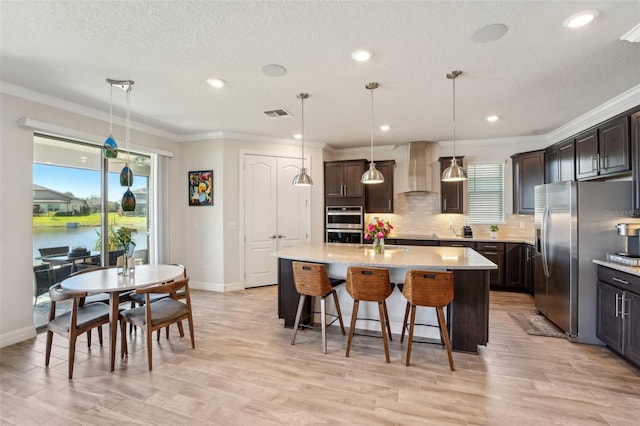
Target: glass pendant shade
[
  {"x": 128, "y": 201},
  {"x": 110, "y": 148},
  {"x": 372, "y": 175},
  {"x": 454, "y": 173},
  {"x": 302, "y": 178},
  {"x": 126, "y": 176}
]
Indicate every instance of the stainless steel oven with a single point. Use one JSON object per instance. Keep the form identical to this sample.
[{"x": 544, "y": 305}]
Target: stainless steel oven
[{"x": 344, "y": 224}]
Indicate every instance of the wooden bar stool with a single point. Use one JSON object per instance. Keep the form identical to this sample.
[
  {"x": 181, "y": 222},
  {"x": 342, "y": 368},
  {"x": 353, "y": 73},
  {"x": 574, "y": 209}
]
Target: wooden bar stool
[
  {"x": 311, "y": 279},
  {"x": 432, "y": 289},
  {"x": 370, "y": 285}
]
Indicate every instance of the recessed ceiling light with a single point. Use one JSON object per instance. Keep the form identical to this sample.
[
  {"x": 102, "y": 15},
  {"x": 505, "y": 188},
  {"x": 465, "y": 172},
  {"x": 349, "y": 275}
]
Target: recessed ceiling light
[
  {"x": 274, "y": 70},
  {"x": 297, "y": 136},
  {"x": 216, "y": 82},
  {"x": 361, "y": 55},
  {"x": 580, "y": 18},
  {"x": 489, "y": 33},
  {"x": 385, "y": 127},
  {"x": 493, "y": 118}
]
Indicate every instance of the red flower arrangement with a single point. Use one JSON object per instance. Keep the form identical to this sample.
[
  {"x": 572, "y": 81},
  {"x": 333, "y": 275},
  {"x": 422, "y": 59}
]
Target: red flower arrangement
[{"x": 377, "y": 229}]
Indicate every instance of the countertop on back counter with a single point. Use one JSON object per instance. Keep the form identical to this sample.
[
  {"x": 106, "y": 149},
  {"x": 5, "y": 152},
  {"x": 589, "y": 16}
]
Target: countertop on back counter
[
  {"x": 633, "y": 270},
  {"x": 445, "y": 237}
]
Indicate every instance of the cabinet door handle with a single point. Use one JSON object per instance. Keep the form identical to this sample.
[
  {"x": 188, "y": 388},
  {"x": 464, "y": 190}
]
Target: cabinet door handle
[
  {"x": 598, "y": 162},
  {"x": 389, "y": 205},
  {"x": 445, "y": 204},
  {"x": 457, "y": 245},
  {"x": 621, "y": 281},
  {"x": 493, "y": 247},
  {"x": 490, "y": 253},
  {"x": 594, "y": 162},
  {"x": 618, "y": 297},
  {"x": 624, "y": 311}
]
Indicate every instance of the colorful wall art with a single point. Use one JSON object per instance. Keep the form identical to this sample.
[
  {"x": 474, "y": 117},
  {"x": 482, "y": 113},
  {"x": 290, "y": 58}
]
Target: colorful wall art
[{"x": 201, "y": 188}]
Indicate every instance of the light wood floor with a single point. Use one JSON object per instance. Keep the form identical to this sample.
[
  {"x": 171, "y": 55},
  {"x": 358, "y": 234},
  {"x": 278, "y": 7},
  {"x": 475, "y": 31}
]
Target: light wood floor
[{"x": 245, "y": 372}]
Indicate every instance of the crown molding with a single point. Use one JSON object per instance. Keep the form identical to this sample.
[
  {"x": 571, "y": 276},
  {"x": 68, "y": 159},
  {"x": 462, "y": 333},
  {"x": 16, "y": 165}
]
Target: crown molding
[
  {"x": 51, "y": 101},
  {"x": 633, "y": 35},
  {"x": 529, "y": 140},
  {"x": 621, "y": 103}
]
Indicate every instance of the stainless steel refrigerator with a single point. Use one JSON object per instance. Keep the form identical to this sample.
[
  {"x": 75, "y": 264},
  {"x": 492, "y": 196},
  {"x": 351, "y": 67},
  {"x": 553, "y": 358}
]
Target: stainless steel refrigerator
[{"x": 575, "y": 223}]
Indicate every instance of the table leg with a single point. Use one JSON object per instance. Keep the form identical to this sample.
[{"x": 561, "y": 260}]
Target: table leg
[{"x": 114, "y": 302}]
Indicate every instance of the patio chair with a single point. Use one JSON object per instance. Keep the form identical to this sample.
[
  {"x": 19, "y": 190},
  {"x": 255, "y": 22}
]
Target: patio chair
[
  {"x": 53, "y": 251},
  {"x": 46, "y": 277}
]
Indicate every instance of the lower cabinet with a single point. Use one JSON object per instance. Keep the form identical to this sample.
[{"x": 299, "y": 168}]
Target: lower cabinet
[
  {"x": 495, "y": 253},
  {"x": 519, "y": 267},
  {"x": 618, "y": 312}
]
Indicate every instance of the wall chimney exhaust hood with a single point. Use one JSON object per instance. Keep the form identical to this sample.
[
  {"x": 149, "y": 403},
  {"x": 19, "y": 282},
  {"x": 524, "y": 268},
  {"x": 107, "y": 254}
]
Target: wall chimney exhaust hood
[{"x": 420, "y": 167}]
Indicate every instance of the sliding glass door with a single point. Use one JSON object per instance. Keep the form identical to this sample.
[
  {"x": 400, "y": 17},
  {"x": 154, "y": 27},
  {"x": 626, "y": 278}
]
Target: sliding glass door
[{"x": 67, "y": 210}]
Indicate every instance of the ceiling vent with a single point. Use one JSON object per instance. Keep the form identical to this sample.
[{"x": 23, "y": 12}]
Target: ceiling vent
[{"x": 278, "y": 113}]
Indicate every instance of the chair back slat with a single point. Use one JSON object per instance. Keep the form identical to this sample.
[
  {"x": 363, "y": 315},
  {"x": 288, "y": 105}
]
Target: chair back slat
[
  {"x": 168, "y": 287},
  {"x": 428, "y": 288},
  {"x": 311, "y": 279},
  {"x": 369, "y": 284}
]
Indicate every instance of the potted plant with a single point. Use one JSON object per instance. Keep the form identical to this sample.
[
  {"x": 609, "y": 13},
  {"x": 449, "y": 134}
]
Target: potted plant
[{"x": 493, "y": 231}]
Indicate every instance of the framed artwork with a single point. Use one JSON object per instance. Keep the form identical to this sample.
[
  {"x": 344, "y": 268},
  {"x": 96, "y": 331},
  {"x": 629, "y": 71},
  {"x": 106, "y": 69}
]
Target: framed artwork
[{"x": 201, "y": 188}]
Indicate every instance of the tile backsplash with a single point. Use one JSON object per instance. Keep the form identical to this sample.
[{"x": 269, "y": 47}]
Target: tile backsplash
[{"x": 419, "y": 214}]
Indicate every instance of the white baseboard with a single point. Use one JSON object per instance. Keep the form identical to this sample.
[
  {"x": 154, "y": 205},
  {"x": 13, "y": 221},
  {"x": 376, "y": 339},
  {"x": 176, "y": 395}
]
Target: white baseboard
[
  {"x": 17, "y": 336},
  {"x": 219, "y": 287}
]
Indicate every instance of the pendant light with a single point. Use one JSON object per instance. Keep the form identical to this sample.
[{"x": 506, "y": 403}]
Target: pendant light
[
  {"x": 372, "y": 175},
  {"x": 110, "y": 148},
  {"x": 454, "y": 173},
  {"x": 302, "y": 178},
  {"x": 126, "y": 175}
]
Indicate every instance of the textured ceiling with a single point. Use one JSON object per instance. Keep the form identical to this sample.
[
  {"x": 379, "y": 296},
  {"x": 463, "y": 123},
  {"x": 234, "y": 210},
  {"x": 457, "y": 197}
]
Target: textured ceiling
[{"x": 538, "y": 77}]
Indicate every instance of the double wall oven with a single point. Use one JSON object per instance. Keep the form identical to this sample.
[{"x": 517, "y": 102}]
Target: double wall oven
[{"x": 344, "y": 224}]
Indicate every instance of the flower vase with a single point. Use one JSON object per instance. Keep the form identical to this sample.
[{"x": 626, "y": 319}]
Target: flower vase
[
  {"x": 378, "y": 245},
  {"x": 125, "y": 265}
]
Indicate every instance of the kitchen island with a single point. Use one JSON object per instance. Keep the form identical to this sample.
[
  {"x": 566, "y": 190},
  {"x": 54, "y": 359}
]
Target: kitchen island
[{"x": 467, "y": 316}]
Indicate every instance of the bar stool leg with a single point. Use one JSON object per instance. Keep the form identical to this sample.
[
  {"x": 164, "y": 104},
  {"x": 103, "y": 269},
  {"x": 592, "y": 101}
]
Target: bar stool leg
[
  {"x": 383, "y": 321},
  {"x": 354, "y": 314},
  {"x": 445, "y": 335},
  {"x": 404, "y": 323},
  {"x": 411, "y": 326},
  {"x": 335, "y": 299},
  {"x": 323, "y": 323},
  {"x": 386, "y": 320},
  {"x": 298, "y": 314}
]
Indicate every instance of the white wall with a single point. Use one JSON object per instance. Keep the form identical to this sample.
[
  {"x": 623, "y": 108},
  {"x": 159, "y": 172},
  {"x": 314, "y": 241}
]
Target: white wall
[{"x": 16, "y": 188}]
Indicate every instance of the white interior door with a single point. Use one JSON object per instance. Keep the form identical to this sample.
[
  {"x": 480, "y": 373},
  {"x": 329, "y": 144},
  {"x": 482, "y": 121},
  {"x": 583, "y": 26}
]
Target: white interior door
[{"x": 276, "y": 215}]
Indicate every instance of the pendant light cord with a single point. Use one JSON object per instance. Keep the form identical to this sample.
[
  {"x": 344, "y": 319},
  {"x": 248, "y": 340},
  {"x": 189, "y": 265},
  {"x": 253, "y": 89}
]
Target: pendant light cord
[
  {"x": 128, "y": 122},
  {"x": 372, "y": 124},
  {"x": 454, "y": 117},
  {"x": 302, "y": 130},
  {"x": 111, "y": 111}
]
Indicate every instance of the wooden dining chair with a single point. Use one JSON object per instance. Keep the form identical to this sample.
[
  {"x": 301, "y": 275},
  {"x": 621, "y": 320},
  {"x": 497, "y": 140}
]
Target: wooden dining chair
[
  {"x": 159, "y": 314},
  {"x": 71, "y": 324}
]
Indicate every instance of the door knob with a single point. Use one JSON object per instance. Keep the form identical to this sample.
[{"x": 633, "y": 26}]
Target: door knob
[
  {"x": 273, "y": 236},
  {"x": 282, "y": 236}
]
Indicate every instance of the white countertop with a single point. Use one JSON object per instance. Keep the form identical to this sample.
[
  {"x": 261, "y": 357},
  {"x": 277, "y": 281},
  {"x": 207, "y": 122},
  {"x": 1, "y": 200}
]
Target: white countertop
[
  {"x": 633, "y": 270},
  {"x": 393, "y": 257},
  {"x": 445, "y": 237}
]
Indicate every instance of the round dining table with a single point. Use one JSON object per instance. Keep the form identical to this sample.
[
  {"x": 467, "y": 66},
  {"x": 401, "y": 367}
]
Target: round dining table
[{"x": 111, "y": 282}]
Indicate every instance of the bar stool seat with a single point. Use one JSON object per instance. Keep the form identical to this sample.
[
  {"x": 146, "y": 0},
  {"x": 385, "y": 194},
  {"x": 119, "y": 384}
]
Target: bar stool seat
[
  {"x": 431, "y": 289},
  {"x": 311, "y": 280},
  {"x": 370, "y": 285}
]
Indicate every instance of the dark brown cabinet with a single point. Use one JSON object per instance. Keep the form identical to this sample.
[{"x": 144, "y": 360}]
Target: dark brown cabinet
[
  {"x": 528, "y": 171},
  {"x": 559, "y": 162},
  {"x": 635, "y": 159},
  {"x": 342, "y": 181},
  {"x": 495, "y": 253},
  {"x": 451, "y": 193},
  {"x": 379, "y": 197},
  {"x": 618, "y": 312},
  {"x": 603, "y": 151},
  {"x": 519, "y": 267}
]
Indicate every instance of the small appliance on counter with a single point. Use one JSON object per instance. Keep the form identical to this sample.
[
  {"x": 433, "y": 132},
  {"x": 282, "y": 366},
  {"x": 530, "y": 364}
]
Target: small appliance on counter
[
  {"x": 631, "y": 257},
  {"x": 467, "y": 232}
]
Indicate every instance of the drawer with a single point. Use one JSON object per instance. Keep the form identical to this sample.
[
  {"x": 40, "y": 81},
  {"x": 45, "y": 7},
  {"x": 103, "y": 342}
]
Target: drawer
[
  {"x": 490, "y": 246},
  {"x": 470, "y": 244},
  {"x": 619, "y": 279}
]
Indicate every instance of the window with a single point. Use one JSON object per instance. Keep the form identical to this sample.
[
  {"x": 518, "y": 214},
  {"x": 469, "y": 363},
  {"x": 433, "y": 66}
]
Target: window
[{"x": 486, "y": 193}]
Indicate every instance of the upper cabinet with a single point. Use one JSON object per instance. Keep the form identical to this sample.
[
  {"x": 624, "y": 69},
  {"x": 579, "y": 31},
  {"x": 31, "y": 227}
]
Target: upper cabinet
[
  {"x": 635, "y": 159},
  {"x": 342, "y": 181},
  {"x": 528, "y": 171},
  {"x": 559, "y": 162},
  {"x": 451, "y": 193},
  {"x": 379, "y": 196},
  {"x": 603, "y": 151}
]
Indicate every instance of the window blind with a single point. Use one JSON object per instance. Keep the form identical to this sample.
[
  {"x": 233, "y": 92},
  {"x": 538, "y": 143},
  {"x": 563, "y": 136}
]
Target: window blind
[{"x": 486, "y": 193}]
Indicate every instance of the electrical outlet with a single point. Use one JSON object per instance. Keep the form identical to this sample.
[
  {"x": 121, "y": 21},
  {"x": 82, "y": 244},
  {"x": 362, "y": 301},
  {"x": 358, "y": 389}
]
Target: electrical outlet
[{"x": 521, "y": 225}]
